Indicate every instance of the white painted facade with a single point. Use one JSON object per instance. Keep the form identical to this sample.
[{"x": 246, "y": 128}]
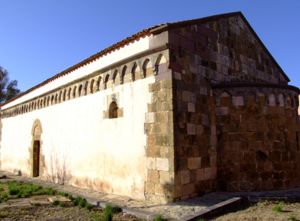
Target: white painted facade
[
  {"x": 104, "y": 154},
  {"x": 96, "y": 152},
  {"x": 131, "y": 49}
]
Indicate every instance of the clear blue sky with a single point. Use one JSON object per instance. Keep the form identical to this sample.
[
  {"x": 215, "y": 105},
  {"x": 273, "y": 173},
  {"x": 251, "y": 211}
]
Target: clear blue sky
[{"x": 40, "y": 38}]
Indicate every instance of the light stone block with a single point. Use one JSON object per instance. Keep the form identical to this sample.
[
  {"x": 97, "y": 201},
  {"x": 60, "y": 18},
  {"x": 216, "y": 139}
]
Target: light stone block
[
  {"x": 162, "y": 164},
  {"x": 150, "y": 117},
  {"x": 165, "y": 177},
  {"x": 151, "y": 163}
]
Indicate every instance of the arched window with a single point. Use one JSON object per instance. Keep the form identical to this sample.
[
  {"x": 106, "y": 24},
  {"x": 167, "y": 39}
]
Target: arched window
[
  {"x": 74, "y": 92},
  {"x": 80, "y": 90},
  {"x": 113, "y": 110},
  {"x": 133, "y": 71},
  {"x": 146, "y": 67},
  {"x": 123, "y": 74},
  {"x": 106, "y": 81},
  {"x": 92, "y": 86}
]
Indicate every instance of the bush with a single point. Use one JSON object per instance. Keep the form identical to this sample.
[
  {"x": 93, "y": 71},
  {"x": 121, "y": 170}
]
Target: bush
[
  {"x": 79, "y": 201},
  {"x": 159, "y": 218},
  {"x": 13, "y": 189},
  {"x": 108, "y": 212},
  {"x": 55, "y": 203},
  {"x": 278, "y": 208},
  {"x": 89, "y": 206},
  {"x": 83, "y": 203},
  {"x": 4, "y": 197}
]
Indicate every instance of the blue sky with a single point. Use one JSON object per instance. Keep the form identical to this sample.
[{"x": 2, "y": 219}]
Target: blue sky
[{"x": 41, "y": 38}]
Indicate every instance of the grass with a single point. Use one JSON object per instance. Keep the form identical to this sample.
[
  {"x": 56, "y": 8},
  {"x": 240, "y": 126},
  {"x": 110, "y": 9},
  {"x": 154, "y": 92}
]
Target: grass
[
  {"x": 108, "y": 212},
  {"x": 159, "y": 218},
  {"x": 23, "y": 190},
  {"x": 278, "y": 208},
  {"x": 16, "y": 189}
]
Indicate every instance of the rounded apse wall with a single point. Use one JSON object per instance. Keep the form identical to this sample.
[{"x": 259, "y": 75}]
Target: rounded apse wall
[{"x": 258, "y": 137}]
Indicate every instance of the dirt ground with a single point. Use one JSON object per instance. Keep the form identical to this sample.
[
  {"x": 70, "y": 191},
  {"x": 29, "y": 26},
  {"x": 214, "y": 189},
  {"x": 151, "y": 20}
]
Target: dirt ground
[
  {"x": 265, "y": 211},
  {"x": 26, "y": 201},
  {"x": 49, "y": 212}
]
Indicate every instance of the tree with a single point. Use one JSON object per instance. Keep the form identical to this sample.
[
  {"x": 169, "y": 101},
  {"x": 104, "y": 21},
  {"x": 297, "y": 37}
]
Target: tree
[{"x": 8, "y": 89}]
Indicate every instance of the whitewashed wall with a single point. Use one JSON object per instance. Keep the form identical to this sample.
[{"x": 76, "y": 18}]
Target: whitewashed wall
[
  {"x": 131, "y": 49},
  {"x": 103, "y": 154}
]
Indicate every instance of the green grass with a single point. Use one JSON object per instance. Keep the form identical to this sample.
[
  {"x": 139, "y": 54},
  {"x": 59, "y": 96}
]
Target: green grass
[
  {"x": 159, "y": 218},
  {"x": 23, "y": 190},
  {"x": 108, "y": 213},
  {"x": 278, "y": 208},
  {"x": 55, "y": 203}
]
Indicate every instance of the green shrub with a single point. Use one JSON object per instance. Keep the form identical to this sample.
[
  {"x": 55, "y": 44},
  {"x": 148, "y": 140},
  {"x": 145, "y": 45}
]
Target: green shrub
[
  {"x": 158, "y": 218},
  {"x": 13, "y": 188},
  {"x": 55, "y": 203},
  {"x": 83, "y": 203},
  {"x": 79, "y": 201},
  {"x": 61, "y": 204},
  {"x": 278, "y": 208},
  {"x": 4, "y": 197},
  {"x": 89, "y": 206},
  {"x": 108, "y": 212}
]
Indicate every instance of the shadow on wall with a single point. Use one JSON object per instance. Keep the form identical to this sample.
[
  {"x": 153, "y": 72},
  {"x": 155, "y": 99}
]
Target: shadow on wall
[{"x": 57, "y": 170}]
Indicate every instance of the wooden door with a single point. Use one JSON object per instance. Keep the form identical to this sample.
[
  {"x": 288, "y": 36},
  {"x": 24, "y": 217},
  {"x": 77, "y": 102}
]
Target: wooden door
[{"x": 36, "y": 158}]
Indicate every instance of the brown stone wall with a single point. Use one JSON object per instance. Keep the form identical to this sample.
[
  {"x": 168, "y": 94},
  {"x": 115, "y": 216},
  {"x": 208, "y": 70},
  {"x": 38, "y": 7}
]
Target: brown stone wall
[
  {"x": 195, "y": 136},
  {"x": 159, "y": 186},
  {"x": 258, "y": 139},
  {"x": 214, "y": 149},
  {"x": 223, "y": 50}
]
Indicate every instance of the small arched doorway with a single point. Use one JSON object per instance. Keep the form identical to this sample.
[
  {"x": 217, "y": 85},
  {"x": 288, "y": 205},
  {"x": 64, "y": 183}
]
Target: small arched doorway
[
  {"x": 36, "y": 148},
  {"x": 36, "y": 158}
]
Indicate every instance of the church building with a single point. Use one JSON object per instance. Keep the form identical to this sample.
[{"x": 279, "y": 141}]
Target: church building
[{"x": 169, "y": 113}]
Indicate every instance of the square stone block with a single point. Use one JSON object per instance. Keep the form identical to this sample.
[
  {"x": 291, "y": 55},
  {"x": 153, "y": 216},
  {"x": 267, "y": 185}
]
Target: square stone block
[
  {"x": 191, "y": 129},
  {"x": 191, "y": 107},
  {"x": 185, "y": 176},
  {"x": 162, "y": 164},
  {"x": 194, "y": 163}
]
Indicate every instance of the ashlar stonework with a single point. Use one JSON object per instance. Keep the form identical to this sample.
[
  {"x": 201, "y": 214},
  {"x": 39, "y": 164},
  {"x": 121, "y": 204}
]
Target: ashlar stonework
[{"x": 170, "y": 113}]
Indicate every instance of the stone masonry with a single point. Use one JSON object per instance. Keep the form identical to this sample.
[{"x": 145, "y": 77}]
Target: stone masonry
[{"x": 216, "y": 112}]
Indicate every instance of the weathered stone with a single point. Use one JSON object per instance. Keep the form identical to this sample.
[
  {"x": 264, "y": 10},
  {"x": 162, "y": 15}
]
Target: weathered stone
[
  {"x": 194, "y": 163},
  {"x": 191, "y": 107},
  {"x": 191, "y": 129},
  {"x": 162, "y": 164},
  {"x": 185, "y": 176}
]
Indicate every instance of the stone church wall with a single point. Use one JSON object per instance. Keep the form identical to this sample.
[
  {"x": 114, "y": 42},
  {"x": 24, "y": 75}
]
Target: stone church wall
[
  {"x": 208, "y": 155},
  {"x": 258, "y": 138},
  {"x": 82, "y": 146}
]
